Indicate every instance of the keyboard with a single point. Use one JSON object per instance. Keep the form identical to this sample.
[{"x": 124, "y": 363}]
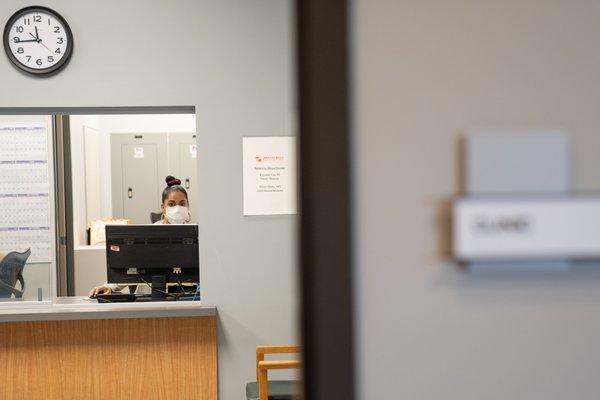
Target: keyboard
[
  {"x": 131, "y": 297},
  {"x": 115, "y": 297}
]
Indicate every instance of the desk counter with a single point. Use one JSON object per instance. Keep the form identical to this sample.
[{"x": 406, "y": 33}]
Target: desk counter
[
  {"x": 77, "y": 308},
  {"x": 77, "y": 349}
]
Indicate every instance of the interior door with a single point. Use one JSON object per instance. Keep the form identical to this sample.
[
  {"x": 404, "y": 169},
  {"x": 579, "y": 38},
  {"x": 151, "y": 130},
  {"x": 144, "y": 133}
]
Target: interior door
[
  {"x": 140, "y": 186},
  {"x": 139, "y": 167},
  {"x": 183, "y": 157},
  {"x": 93, "y": 169}
]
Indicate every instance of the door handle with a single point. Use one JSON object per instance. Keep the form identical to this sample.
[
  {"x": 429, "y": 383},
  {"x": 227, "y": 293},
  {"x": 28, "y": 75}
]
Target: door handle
[
  {"x": 130, "y": 193},
  {"x": 187, "y": 183}
]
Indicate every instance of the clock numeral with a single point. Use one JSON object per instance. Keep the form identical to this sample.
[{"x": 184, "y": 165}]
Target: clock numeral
[
  {"x": 57, "y": 29},
  {"x": 38, "y": 61},
  {"x": 19, "y": 29},
  {"x": 60, "y": 40},
  {"x": 20, "y": 50},
  {"x": 37, "y": 18},
  {"x": 50, "y": 59},
  {"x": 48, "y": 21},
  {"x": 57, "y": 51},
  {"x": 16, "y": 39},
  {"x": 27, "y": 21},
  {"x": 28, "y": 58}
]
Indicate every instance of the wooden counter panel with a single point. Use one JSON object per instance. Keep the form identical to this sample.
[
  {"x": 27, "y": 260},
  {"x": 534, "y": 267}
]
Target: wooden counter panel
[{"x": 145, "y": 358}]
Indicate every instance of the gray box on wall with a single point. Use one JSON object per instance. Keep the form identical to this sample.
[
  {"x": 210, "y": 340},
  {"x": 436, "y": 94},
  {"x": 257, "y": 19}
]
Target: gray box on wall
[{"x": 517, "y": 162}]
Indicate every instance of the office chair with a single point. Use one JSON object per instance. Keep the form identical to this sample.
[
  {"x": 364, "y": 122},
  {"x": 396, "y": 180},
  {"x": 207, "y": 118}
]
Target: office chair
[
  {"x": 11, "y": 271},
  {"x": 154, "y": 217},
  {"x": 263, "y": 389}
]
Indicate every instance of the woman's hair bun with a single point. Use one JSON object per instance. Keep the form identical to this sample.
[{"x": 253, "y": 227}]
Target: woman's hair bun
[{"x": 171, "y": 181}]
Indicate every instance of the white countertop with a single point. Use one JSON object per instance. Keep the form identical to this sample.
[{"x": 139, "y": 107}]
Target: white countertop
[{"x": 77, "y": 308}]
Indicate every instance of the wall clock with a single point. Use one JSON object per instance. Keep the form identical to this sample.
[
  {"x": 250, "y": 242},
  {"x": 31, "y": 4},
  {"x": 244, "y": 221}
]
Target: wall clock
[{"x": 38, "y": 40}]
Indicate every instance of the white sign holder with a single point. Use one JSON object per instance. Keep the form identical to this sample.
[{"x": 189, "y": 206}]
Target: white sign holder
[{"x": 269, "y": 174}]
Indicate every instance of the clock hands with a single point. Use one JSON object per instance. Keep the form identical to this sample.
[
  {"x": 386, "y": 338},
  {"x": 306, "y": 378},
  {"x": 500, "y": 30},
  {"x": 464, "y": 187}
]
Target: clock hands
[
  {"x": 25, "y": 41},
  {"x": 40, "y": 42},
  {"x": 37, "y": 39}
]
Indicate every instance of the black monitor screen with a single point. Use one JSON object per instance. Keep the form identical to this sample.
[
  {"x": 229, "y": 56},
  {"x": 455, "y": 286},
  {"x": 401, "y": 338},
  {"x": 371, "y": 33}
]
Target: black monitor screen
[{"x": 136, "y": 252}]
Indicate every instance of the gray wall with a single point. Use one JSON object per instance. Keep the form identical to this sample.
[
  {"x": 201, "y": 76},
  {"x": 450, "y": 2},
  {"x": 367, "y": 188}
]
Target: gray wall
[
  {"x": 232, "y": 60},
  {"x": 425, "y": 73}
]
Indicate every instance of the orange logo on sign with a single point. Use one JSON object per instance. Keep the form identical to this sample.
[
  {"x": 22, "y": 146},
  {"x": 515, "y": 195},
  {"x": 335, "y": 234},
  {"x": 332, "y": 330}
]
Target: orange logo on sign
[{"x": 268, "y": 158}]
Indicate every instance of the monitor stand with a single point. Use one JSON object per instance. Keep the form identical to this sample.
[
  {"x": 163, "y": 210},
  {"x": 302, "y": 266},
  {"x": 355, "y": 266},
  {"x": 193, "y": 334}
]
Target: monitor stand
[{"x": 159, "y": 287}]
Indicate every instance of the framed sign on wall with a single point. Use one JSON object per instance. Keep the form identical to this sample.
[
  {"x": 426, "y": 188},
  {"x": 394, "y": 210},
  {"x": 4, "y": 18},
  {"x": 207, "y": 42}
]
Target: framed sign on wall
[{"x": 270, "y": 186}]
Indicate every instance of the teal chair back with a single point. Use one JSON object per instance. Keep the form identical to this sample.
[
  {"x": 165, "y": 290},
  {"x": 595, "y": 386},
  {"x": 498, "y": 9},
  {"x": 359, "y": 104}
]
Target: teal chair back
[{"x": 11, "y": 272}]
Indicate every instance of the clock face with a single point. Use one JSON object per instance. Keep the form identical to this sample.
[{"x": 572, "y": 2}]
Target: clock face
[{"x": 38, "y": 40}]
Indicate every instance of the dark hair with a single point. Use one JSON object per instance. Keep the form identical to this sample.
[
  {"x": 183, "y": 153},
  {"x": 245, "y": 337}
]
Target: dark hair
[{"x": 173, "y": 185}]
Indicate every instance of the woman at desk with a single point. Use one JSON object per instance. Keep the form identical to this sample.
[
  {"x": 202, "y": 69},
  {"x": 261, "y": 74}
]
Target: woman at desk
[{"x": 175, "y": 210}]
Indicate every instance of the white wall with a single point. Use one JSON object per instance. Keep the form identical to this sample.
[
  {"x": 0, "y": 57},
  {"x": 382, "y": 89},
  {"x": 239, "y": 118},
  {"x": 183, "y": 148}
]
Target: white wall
[
  {"x": 425, "y": 72},
  {"x": 236, "y": 69},
  {"x": 136, "y": 123}
]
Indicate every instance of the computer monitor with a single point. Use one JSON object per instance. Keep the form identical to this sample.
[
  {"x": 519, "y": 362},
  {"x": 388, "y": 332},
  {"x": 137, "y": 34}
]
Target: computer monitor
[{"x": 136, "y": 254}]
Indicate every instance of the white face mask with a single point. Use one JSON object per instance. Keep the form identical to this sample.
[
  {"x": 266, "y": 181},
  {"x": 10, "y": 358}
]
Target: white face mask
[{"x": 177, "y": 214}]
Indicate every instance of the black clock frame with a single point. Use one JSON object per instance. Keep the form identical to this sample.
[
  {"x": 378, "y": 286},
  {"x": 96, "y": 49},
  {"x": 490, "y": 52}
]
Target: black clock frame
[{"x": 45, "y": 71}]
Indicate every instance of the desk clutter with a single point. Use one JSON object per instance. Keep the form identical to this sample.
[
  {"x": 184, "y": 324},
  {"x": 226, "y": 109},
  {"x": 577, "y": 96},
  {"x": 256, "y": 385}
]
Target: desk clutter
[{"x": 97, "y": 230}]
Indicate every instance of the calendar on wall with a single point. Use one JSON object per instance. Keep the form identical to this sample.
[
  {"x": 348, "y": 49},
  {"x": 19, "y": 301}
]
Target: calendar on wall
[{"x": 25, "y": 209}]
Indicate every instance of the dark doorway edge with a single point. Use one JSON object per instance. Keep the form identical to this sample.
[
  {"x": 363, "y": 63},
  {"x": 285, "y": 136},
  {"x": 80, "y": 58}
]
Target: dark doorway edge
[{"x": 325, "y": 248}]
